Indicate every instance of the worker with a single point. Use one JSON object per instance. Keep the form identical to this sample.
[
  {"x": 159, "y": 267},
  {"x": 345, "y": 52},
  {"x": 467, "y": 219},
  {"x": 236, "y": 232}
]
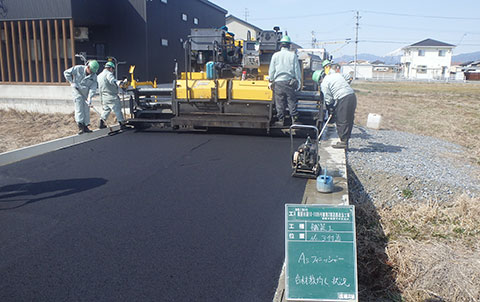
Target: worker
[
  {"x": 108, "y": 89},
  {"x": 285, "y": 78},
  {"x": 83, "y": 80},
  {"x": 341, "y": 101}
]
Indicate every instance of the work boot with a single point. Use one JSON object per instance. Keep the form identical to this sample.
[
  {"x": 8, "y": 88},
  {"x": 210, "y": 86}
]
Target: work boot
[
  {"x": 85, "y": 129},
  {"x": 80, "y": 128},
  {"x": 280, "y": 122},
  {"x": 340, "y": 145},
  {"x": 101, "y": 124},
  {"x": 296, "y": 121},
  {"x": 122, "y": 125}
]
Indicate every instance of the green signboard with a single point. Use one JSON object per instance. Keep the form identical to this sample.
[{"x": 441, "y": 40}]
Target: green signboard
[{"x": 320, "y": 252}]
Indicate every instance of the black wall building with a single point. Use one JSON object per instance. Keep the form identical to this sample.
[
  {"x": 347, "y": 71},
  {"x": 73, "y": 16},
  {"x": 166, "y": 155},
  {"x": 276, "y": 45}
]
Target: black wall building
[{"x": 146, "y": 33}]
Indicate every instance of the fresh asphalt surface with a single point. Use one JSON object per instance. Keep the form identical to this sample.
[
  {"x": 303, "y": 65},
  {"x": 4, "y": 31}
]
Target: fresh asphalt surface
[{"x": 147, "y": 216}]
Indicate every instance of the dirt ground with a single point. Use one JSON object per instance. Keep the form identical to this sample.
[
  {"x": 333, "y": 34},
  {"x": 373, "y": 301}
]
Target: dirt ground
[
  {"x": 400, "y": 263},
  {"x": 22, "y": 128}
]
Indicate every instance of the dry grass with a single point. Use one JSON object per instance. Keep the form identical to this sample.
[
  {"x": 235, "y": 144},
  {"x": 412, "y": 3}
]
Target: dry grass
[
  {"x": 434, "y": 249},
  {"x": 420, "y": 251}
]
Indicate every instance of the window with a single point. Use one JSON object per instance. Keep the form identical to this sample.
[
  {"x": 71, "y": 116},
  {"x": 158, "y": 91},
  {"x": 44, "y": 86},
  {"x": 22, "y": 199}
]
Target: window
[
  {"x": 164, "y": 42},
  {"x": 184, "y": 17},
  {"x": 421, "y": 52},
  {"x": 164, "y": 1},
  {"x": 195, "y": 20},
  {"x": 441, "y": 52},
  {"x": 422, "y": 69}
]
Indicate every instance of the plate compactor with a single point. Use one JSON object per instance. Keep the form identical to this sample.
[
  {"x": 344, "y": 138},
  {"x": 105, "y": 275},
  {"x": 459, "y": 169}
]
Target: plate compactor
[{"x": 306, "y": 159}]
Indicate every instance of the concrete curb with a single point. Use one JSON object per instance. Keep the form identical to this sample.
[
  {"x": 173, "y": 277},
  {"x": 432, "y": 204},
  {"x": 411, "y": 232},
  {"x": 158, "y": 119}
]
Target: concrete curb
[
  {"x": 42, "y": 148},
  {"x": 334, "y": 160}
]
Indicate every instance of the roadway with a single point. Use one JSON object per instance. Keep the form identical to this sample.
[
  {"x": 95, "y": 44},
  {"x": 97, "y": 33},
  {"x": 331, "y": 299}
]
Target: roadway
[{"x": 147, "y": 216}]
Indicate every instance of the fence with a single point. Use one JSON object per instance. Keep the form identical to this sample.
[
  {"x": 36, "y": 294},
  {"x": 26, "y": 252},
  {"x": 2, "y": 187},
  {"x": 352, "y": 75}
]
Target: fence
[{"x": 36, "y": 51}]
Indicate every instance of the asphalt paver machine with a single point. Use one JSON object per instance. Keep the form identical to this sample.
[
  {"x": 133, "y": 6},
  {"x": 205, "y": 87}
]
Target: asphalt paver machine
[{"x": 225, "y": 83}]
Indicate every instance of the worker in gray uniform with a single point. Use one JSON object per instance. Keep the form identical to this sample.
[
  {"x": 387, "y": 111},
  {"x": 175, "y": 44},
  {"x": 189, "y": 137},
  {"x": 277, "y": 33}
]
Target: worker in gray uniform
[
  {"x": 83, "y": 80},
  {"x": 285, "y": 78},
  {"x": 108, "y": 88},
  {"x": 341, "y": 101}
]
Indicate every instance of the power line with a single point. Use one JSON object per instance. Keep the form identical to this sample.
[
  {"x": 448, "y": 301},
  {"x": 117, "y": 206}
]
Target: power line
[
  {"x": 303, "y": 16},
  {"x": 384, "y": 42},
  {"x": 418, "y": 16},
  {"x": 417, "y": 29},
  {"x": 400, "y": 42}
]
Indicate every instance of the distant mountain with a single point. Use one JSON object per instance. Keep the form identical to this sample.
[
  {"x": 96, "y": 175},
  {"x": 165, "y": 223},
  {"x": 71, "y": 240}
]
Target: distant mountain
[
  {"x": 370, "y": 58},
  {"x": 466, "y": 57},
  {"x": 461, "y": 58}
]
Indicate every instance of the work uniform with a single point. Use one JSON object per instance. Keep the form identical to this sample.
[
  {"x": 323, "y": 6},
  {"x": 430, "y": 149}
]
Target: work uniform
[
  {"x": 338, "y": 93},
  {"x": 108, "y": 88},
  {"x": 284, "y": 73},
  {"x": 84, "y": 86}
]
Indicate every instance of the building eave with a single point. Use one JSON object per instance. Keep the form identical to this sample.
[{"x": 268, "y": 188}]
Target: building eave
[
  {"x": 243, "y": 22},
  {"x": 214, "y": 6},
  {"x": 436, "y": 47}
]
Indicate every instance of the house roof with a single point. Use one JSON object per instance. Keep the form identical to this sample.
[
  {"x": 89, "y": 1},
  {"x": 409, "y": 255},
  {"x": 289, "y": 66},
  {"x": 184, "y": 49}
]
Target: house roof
[
  {"x": 233, "y": 18},
  {"x": 430, "y": 43},
  {"x": 214, "y": 6}
]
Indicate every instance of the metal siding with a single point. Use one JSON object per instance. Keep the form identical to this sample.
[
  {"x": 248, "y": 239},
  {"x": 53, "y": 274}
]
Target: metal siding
[
  {"x": 90, "y": 12},
  {"x": 121, "y": 28},
  {"x": 127, "y": 36},
  {"x": 165, "y": 21},
  {"x": 35, "y": 9}
]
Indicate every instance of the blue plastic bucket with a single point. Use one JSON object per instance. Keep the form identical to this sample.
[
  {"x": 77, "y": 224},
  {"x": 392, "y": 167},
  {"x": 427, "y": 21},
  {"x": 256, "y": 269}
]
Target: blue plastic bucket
[{"x": 324, "y": 184}]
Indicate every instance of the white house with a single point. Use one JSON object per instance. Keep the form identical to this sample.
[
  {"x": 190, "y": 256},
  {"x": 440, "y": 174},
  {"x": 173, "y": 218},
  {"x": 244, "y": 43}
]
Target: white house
[
  {"x": 427, "y": 59},
  {"x": 364, "y": 69},
  {"x": 240, "y": 28}
]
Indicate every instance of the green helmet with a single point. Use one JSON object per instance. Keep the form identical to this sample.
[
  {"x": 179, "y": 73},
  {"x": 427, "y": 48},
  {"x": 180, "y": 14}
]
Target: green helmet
[
  {"x": 286, "y": 39},
  {"x": 109, "y": 65},
  {"x": 326, "y": 63},
  {"x": 317, "y": 75},
  {"x": 93, "y": 64}
]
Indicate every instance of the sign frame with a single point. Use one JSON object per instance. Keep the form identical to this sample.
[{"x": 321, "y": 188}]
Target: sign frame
[{"x": 336, "y": 229}]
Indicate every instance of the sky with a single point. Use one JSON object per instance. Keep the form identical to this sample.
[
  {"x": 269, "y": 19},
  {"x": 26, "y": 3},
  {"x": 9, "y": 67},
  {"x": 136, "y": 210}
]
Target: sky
[{"x": 384, "y": 26}]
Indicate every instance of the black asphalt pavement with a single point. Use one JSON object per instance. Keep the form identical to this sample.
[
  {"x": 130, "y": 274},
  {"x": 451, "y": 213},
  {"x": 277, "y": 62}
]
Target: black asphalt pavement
[{"x": 147, "y": 216}]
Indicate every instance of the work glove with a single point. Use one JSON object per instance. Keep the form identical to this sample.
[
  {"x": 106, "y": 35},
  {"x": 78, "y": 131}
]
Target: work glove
[
  {"x": 270, "y": 85},
  {"x": 89, "y": 102},
  {"x": 331, "y": 108},
  {"x": 74, "y": 85},
  {"x": 293, "y": 83}
]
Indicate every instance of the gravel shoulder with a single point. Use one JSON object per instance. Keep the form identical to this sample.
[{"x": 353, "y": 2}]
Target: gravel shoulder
[{"x": 398, "y": 166}]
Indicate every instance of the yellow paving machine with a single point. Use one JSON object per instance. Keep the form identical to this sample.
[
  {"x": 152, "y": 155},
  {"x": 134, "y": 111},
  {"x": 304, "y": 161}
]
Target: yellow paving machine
[{"x": 224, "y": 84}]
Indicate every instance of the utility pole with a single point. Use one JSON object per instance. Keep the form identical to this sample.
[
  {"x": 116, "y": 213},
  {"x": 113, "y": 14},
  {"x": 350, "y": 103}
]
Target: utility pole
[
  {"x": 356, "y": 46},
  {"x": 314, "y": 40},
  {"x": 246, "y": 14}
]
